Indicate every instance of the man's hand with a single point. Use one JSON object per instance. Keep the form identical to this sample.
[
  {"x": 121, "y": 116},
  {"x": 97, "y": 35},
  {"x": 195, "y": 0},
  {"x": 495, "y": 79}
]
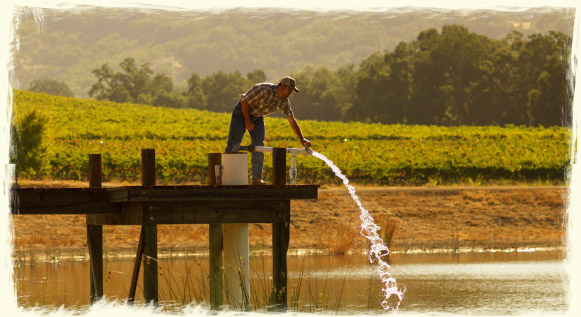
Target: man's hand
[
  {"x": 306, "y": 142},
  {"x": 249, "y": 125}
]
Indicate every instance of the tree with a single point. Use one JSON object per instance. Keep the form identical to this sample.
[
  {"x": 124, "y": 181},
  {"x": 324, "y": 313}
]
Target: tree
[
  {"x": 195, "y": 94},
  {"x": 543, "y": 66},
  {"x": 256, "y": 76},
  {"x": 28, "y": 150},
  {"x": 51, "y": 87},
  {"x": 318, "y": 97},
  {"x": 133, "y": 84},
  {"x": 222, "y": 90}
]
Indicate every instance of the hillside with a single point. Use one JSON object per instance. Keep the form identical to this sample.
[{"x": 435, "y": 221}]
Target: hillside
[
  {"x": 71, "y": 43},
  {"x": 370, "y": 153}
]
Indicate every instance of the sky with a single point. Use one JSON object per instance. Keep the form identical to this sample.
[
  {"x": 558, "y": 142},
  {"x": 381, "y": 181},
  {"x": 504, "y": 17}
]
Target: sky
[{"x": 9, "y": 8}]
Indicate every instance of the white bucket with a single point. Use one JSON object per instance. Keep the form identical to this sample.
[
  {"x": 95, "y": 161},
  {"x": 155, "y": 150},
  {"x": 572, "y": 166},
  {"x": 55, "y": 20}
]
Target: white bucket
[{"x": 235, "y": 169}]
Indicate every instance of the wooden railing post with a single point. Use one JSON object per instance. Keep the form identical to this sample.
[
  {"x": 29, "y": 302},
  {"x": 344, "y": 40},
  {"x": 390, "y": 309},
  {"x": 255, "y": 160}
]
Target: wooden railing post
[
  {"x": 150, "y": 278},
  {"x": 280, "y": 236},
  {"x": 216, "y": 244},
  {"x": 95, "y": 235}
]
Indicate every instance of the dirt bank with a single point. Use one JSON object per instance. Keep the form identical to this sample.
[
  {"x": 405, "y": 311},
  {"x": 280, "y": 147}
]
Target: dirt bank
[{"x": 424, "y": 218}]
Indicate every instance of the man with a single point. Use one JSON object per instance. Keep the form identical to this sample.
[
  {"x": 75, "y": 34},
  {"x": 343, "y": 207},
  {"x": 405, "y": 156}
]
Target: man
[{"x": 260, "y": 100}]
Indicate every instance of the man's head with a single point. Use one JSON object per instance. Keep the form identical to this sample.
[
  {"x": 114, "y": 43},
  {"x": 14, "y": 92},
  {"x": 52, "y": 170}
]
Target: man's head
[{"x": 287, "y": 85}]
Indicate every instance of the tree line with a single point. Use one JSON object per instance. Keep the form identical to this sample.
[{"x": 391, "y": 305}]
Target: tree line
[{"x": 452, "y": 77}]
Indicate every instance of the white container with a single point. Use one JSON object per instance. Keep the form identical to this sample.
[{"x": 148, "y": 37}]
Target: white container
[
  {"x": 235, "y": 235},
  {"x": 235, "y": 168}
]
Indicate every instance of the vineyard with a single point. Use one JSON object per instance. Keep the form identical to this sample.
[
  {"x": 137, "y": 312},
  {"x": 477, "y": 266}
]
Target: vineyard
[{"x": 368, "y": 153}]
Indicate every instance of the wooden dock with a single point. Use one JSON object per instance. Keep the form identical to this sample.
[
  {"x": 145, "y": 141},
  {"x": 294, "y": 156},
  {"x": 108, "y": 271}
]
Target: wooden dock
[{"x": 150, "y": 205}]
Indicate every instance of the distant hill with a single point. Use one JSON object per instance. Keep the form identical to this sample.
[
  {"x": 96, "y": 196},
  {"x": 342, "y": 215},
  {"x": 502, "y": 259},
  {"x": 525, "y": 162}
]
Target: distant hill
[{"x": 71, "y": 43}]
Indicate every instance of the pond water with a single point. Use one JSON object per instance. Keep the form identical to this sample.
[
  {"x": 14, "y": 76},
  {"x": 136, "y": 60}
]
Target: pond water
[{"x": 499, "y": 283}]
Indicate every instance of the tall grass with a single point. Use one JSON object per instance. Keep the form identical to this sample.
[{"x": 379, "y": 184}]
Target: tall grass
[{"x": 184, "y": 281}]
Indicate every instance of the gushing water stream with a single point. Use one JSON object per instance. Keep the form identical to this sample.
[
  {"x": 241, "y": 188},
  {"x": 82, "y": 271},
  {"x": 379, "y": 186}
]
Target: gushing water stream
[{"x": 378, "y": 249}]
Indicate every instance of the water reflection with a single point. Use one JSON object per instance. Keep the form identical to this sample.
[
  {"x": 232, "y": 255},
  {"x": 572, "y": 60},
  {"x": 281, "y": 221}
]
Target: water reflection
[{"x": 483, "y": 283}]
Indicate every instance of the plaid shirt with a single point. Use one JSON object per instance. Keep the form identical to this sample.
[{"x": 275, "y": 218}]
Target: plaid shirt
[{"x": 262, "y": 100}]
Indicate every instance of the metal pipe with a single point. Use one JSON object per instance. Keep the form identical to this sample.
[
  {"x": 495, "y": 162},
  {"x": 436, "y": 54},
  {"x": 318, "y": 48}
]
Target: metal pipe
[
  {"x": 290, "y": 150},
  {"x": 293, "y": 151},
  {"x": 292, "y": 172}
]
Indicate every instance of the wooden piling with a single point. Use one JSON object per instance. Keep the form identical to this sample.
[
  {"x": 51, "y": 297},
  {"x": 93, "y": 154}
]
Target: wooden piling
[
  {"x": 136, "y": 268},
  {"x": 95, "y": 235},
  {"x": 150, "y": 278},
  {"x": 216, "y": 243},
  {"x": 280, "y": 236}
]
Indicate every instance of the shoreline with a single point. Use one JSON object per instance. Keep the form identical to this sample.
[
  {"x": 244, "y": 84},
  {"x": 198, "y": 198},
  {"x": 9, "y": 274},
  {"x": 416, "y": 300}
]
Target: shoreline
[{"x": 75, "y": 256}]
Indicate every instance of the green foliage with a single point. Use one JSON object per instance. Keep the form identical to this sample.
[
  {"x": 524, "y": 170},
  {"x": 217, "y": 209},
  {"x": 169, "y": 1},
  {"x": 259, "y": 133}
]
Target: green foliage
[
  {"x": 461, "y": 78},
  {"x": 51, "y": 87},
  {"x": 220, "y": 91},
  {"x": 324, "y": 94},
  {"x": 135, "y": 85},
  {"x": 391, "y": 154},
  {"x": 28, "y": 148}
]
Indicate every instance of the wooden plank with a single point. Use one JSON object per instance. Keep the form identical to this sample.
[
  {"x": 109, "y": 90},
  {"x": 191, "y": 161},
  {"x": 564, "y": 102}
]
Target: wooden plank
[
  {"x": 215, "y": 212},
  {"x": 103, "y": 200},
  {"x": 130, "y": 214},
  {"x": 243, "y": 192},
  {"x": 70, "y": 201}
]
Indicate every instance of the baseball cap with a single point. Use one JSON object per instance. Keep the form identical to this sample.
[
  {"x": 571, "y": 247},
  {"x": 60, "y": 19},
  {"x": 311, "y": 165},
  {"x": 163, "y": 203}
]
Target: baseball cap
[{"x": 289, "y": 81}]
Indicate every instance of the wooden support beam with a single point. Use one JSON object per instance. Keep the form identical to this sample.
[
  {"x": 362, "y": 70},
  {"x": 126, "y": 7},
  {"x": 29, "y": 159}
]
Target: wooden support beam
[
  {"x": 214, "y": 211},
  {"x": 95, "y": 244},
  {"x": 280, "y": 242},
  {"x": 230, "y": 193},
  {"x": 136, "y": 268},
  {"x": 150, "y": 278},
  {"x": 278, "y": 166},
  {"x": 63, "y": 201},
  {"x": 216, "y": 244},
  {"x": 95, "y": 171},
  {"x": 95, "y": 235},
  {"x": 280, "y": 236}
]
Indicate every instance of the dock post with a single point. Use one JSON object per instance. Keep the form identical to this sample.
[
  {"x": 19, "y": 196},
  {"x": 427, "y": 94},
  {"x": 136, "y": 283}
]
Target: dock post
[
  {"x": 216, "y": 240},
  {"x": 95, "y": 235},
  {"x": 280, "y": 236},
  {"x": 150, "y": 278}
]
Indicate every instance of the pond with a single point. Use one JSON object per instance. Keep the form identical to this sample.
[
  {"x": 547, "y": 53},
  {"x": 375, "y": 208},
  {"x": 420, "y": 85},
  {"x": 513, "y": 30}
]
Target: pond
[{"x": 493, "y": 283}]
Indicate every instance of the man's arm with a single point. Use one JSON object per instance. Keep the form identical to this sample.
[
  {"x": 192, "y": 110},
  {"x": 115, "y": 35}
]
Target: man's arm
[
  {"x": 248, "y": 124},
  {"x": 295, "y": 125}
]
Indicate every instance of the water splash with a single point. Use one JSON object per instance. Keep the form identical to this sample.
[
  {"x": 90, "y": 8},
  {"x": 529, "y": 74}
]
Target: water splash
[{"x": 378, "y": 249}]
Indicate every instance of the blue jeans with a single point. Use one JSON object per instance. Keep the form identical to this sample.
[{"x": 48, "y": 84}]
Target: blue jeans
[{"x": 237, "y": 130}]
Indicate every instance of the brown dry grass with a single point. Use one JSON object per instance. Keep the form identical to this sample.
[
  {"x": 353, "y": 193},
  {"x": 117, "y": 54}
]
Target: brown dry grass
[{"x": 426, "y": 218}]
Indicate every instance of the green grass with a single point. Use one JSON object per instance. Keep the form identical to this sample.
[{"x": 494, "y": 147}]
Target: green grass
[{"x": 369, "y": 153}]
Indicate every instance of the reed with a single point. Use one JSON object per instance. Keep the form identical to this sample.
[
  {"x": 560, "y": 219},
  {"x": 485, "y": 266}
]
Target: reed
[
  {"x": 184, "y": 281},
  {"x": 387, "y": 234},
  {"x": 344, "y": 239}
]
